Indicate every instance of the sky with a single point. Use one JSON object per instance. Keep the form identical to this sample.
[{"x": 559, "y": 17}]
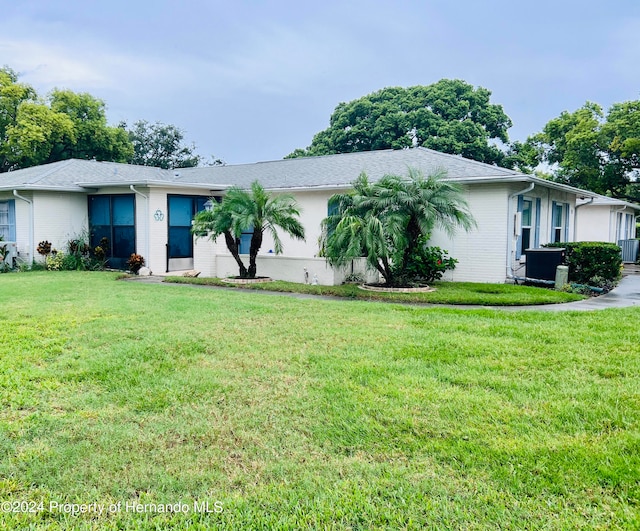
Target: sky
[{"x": 249, "y": 81}]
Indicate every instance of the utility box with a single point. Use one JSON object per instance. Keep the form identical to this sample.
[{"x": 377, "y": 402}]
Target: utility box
[
  {"x": 542, "y": 263},
  {"x": 8, "y": 254},
  {"x": 562, "y": 276}
]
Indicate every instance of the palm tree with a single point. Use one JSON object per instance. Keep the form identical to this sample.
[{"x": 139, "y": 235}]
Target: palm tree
[
  {"x": 387, "y": 221},
  {"x": 255, "y": 210}
]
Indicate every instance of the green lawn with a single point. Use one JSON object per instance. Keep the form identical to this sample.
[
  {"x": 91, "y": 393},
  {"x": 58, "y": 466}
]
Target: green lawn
[
  {"x": 314, "y": 414},
  {"x": 459, "y": 293}
]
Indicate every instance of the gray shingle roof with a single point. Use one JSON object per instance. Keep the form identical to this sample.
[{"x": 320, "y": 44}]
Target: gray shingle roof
[
  {"x": 67, "y": 174},
  {"x": 309, "y": 172},
  {"x": 341, "y": 170}
]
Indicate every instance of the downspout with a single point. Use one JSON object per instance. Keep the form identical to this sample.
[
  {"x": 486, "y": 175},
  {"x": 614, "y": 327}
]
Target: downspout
[
  {"x": 146, "y": 222},
  {"x": 575, "y": 218},
  {"x": 31, "y": 223},
  {"x": 511, "y": 228}
]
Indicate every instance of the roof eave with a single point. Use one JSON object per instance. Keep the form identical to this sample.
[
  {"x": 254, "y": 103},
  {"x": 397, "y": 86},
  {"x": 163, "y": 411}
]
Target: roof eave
[{"x": 155, "y": 184}]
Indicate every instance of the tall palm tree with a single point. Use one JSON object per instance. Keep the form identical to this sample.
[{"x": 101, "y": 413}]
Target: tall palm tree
[
  {"x": 386, "y": 221},
  {"x": 245, "y": 210}
]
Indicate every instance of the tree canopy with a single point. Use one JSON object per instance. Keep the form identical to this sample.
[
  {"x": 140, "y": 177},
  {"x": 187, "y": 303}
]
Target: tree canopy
[
  {"x": 593, "y": 150},
  {"x": 160, "y": 145},
  {"x": 389, "y": 220},
  {"x": 65, "y": 124},
  {"x": 450, "y": 116}
]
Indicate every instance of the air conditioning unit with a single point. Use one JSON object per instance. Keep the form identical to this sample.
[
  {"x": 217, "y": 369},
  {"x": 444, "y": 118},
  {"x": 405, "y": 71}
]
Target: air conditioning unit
[{"x": 9, "y": 250}]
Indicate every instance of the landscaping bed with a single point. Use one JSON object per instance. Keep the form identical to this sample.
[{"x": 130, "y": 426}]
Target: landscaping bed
[{"x": 462, "y": 293}]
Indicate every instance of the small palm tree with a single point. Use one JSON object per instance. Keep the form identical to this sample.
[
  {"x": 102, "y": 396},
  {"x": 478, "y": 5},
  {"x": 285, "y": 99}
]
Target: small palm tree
[
  {"x": 240, "y": 211},
  {"x": 387, "y": 221}
]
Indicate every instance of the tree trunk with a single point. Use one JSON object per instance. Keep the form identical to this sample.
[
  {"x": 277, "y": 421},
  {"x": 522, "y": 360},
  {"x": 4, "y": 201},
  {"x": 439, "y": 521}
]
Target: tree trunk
[
  {"x": 256, "y": 243},
  {"x": 232, "y": 245}
]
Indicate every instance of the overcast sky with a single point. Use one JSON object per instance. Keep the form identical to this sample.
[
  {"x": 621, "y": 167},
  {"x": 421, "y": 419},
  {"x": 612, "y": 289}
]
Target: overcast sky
[{"x": 250, "y": 81}]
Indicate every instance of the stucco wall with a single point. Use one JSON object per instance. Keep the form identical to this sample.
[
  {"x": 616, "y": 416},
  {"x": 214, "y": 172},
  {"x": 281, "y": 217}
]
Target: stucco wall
[
  {"x": 57, "y": 217},
  {"x": 314, "y": 210},
  {"x": 481, "y": 252},
  {"x": 594, "y": 224}
]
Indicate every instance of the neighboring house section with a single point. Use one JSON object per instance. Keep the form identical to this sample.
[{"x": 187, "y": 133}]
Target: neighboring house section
[
  {"x": 608, "y": 220},
  {"x": 149, "y": 211}
]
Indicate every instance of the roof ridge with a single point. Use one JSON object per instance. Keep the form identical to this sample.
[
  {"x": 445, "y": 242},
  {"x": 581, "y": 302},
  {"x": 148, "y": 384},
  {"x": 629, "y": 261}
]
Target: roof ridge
[
  {"x": 468, "y": 160},
  {"x": 58, "y": 166}
]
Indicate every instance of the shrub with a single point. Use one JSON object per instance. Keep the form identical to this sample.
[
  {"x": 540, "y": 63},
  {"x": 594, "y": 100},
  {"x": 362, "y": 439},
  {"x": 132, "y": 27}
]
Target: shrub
[
  {"x": 44, "y": 248},
  {"x": 589, "y": 260},
  {"x": 135, "y": 262},
  {"x": 4, "y": 252},
  {"x": 425, "y": 264},
  {"x": 56, "y": 261}
]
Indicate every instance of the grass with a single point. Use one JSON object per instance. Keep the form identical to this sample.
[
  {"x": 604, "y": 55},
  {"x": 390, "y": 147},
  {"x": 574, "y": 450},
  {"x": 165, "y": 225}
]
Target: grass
[
  {"x": 311, "y": 414},
  {"x": 459, "y": 293}
]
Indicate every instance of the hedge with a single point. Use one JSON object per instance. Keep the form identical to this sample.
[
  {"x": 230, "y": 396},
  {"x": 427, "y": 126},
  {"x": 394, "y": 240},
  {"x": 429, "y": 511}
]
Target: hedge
[{"x": 587, "y": 261}]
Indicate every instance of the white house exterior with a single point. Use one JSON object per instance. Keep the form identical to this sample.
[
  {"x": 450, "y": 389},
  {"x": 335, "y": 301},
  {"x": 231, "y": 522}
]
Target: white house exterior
[
  {"x": 606, "y": 219},
  {"x": 148, "y": 211}
]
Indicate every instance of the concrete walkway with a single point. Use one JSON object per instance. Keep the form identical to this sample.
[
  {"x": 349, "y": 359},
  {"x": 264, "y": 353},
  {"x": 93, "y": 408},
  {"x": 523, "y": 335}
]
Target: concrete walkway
[{"x": 625, "y": 295}]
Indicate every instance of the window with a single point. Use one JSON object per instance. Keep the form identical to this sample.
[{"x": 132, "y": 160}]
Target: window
[
  {"x": 527, "y": 216},
  {"x": 182, "y": 208},
  {"x": 244, "y": 245},
  {"x": 8, "y": 220},
  {"x": 559, "y": 222},
  {"x": 625, "y": 226},
  {"x": 631, "y": 226},
  {"x": 113, "y": 217},
  {"x": 529, "y": 233}
]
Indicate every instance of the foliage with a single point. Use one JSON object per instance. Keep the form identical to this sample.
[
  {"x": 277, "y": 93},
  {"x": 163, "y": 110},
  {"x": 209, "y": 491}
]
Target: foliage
[
  {"x": 354, "y": 278},
  {"x": 78, "y": 255},
  {"x": 387, "y": 221},
  {"x": 450, "y": 116},
  {"x": 93, "y": 137},
  {"x": 160, "y": 145},
  {"x": 5, "y": 266},
  {"x": 241, "y": 211},
  {"x": 12, "y": 95},
  {"x": 56, "y": 262},
  {"x": 589, "y": 260},
  {"x": 312, "y": 414},
  {"x": 593, "y": 150},
  {"x": 424, "y": 264},
  {"x": 64, "y": 125},
  {"x": 44, "y": 248},
  {"x": 134, "y": 263}
]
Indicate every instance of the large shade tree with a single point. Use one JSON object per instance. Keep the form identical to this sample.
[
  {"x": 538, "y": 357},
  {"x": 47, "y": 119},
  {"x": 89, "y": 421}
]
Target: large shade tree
[
  {"x": 250, "y": 210},
  {"x": 65, "y": 124},
  {"x": 160, "y": 145},
  {"x": 591, "y": 149},
  {"x": 451, "y": 116},
  {"x": 389, "y": 220}
]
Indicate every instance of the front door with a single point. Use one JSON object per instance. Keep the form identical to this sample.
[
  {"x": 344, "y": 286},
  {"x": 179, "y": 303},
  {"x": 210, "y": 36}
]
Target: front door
[{"x": 181, "y": 210}]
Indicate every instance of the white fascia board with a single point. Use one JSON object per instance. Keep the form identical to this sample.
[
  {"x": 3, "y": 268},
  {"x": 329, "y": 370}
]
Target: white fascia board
[
  {"x": 42, "y": 188},
  {"x": 156, "y": 184}
]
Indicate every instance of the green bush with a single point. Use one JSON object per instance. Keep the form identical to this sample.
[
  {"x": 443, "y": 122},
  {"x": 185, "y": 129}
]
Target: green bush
[
  {"x": 424, "y": 265},
  {"x": 592, "y": 263}
]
